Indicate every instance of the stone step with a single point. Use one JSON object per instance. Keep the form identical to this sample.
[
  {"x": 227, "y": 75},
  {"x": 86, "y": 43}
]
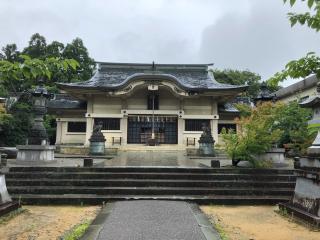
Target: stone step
[
  {"x": 99, "y": 199},
  {"x": 148, "y": 190},
  {"x": 150, "y": 175},
  {"x": 151, "y": 170},
  {"x": 147, "y": 182},
  {"x": 95, "y": 185}
]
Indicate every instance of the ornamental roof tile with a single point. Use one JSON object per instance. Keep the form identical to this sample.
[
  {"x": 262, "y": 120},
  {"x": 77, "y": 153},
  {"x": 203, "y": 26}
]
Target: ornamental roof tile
[{"x": 188, "y": 77}]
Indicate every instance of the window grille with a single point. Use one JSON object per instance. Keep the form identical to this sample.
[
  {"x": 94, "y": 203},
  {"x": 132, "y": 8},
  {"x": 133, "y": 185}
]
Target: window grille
[
  {"x": 165, "y": 129},
  {"x": 108, "y": 123},
  {"x": 77, "y": 126},
  {"x": 195, "y": 124}
]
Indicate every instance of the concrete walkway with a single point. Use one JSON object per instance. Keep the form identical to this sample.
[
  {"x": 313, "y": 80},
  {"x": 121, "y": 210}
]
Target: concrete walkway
[{"x": 151, "y": 220}]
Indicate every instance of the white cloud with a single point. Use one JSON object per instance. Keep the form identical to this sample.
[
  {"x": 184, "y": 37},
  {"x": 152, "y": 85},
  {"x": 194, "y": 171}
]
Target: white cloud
[{"x": 242, "y": 34}]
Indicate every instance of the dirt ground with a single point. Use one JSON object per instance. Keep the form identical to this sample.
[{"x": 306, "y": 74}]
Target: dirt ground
[
  {"x": 45, "y": 222},
  {"x": 257, "y": 223}
]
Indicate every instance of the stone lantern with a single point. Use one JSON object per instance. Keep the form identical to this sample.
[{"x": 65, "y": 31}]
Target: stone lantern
[
  {"x": 38, "y": 134},
  {"x": 37, "y": 148},
  {"x": 305, "y": 203}
]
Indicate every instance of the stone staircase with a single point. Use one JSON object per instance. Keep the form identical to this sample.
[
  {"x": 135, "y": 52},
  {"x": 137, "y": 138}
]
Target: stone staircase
[{"x": 61, "y": 185}]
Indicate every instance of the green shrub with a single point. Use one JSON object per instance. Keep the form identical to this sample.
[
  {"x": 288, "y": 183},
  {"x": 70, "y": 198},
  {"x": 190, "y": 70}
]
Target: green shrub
[{"x": 255, "y": 136}]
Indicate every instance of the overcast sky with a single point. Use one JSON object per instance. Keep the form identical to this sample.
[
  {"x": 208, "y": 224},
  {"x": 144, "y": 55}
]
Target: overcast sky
[{"x": 237, "y": 34}]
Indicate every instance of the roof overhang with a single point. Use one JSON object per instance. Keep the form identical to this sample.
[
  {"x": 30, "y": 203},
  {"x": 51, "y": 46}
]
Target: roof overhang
[{"x": 145, "y": 79}]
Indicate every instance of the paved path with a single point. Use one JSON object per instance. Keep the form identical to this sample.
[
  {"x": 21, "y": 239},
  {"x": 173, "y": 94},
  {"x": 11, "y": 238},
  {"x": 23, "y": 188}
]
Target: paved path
[{"x": 151, "y": 220}]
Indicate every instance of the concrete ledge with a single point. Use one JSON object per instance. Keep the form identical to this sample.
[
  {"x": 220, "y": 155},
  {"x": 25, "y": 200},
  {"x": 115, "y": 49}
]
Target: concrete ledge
[
  {"x": 83, "y": 150},
  {"x": 97, "y": 224},
  {"x": 36, "y": 147},
  {"x": 206, "y": 227}
]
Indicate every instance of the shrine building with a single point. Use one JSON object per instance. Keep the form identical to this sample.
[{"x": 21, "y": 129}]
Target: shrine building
[{"x": 135, "y": 101}]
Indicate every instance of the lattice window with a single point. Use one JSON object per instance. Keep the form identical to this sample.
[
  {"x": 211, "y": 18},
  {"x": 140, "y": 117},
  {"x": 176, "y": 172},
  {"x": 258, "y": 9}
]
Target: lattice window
[
  {"x": 195, "y": 124},
  {"x": 108, "y": 123},
  {"x": 77, "y": 126},
  {"x": 156, "y": 102}
]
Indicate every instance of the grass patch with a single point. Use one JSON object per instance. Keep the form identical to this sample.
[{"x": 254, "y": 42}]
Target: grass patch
[
  {"x": 77, "y": 231},
  {"x": 217, "y": 226},
  {"x": 6, "y": 218},
  {"x": 221, "y": 231},
  {"x": 283, "y": 212}
]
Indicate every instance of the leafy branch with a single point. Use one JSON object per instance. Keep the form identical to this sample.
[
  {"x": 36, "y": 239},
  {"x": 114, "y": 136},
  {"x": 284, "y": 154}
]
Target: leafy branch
[
  {"x": 29, "y": 70},
  {"x": 310, "y": 64}
]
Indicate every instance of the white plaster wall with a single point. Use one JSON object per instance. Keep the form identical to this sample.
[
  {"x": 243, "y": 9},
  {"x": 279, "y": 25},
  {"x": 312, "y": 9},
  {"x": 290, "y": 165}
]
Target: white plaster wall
[
  {"x": 138, "y": 100},
  {"x": 198, "y": 106},
  {"x": 167, "y": 101},
  {"x": 108, "y": 134},
  {"x": 296, "y": 96},
  {"x": 104, "y": 104}
]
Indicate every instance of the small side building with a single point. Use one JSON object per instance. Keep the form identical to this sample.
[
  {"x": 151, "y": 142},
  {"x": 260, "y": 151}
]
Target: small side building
[
  {"x": 299, "y": 91},
  {"x": 134, "y": 100}
]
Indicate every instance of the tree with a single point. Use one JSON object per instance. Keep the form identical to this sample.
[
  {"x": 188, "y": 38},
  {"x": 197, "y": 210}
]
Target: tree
[
  {"x": 10, "y": 53},
  {"x": 236, "y": 77},
  {"x": 37, "y": 47},
  {"x": 310, "y": 64},
  {"x": 256, "y": 134},
  {"x": 293, "y": 122},
  {"x": 16, "y": 129},
  {"x": 54, "y": 49},
  {"x": 76, "y": 50},
  {"x": 21, "y": 76},
  {"x": 265, "y": 125}
]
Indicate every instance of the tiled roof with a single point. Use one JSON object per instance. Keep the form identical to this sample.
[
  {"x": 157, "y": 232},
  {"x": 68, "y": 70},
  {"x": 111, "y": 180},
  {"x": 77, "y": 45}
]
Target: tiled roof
[
  {"x": 188, "y": 77},
  {"x": 64, "y": 101},
  {"x": 297, "y": 87}
]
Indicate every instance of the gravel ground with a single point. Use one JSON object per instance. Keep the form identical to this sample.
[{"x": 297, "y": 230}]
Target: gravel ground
[
  {"x": 257, "y": 223},
  {"x": 45, "y": 222}
]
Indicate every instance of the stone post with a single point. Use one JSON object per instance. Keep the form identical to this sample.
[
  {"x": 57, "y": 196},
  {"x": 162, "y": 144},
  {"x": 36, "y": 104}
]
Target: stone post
[{"x": 305, "y": 203}]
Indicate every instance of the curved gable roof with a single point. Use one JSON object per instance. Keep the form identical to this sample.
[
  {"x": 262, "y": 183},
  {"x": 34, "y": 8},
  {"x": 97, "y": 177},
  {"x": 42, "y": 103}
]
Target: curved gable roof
[{"x": 117, "y": 75}]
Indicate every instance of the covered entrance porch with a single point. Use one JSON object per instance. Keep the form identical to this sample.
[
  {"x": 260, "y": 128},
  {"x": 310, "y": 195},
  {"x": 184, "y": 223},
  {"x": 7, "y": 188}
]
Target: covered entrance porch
[{"x": 141, "y": 127}]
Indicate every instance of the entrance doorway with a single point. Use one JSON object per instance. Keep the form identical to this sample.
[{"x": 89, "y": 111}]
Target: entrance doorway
[{"x": 140, "y": 129}]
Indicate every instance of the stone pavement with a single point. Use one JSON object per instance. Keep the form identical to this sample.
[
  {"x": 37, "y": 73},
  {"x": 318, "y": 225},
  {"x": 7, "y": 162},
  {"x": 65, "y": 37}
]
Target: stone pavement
[
  {"x": 130, "y": 158},
  {"x": 151, "y": 220},
  {"x": 152, "y": 158}
]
